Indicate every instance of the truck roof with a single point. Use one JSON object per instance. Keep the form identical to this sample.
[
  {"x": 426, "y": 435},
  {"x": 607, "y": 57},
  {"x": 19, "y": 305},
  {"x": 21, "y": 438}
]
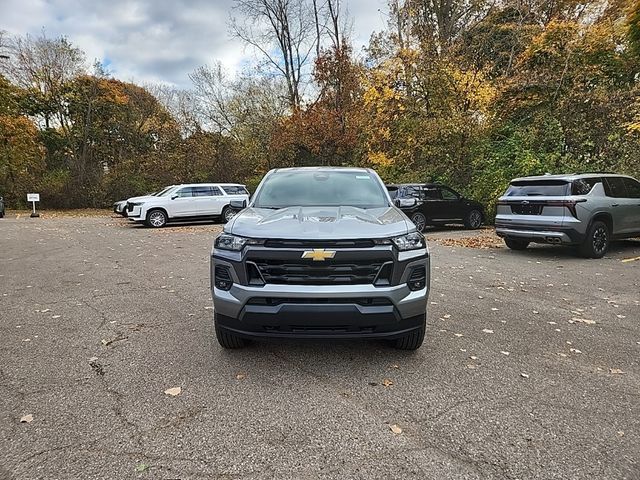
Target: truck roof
[{"x": 323, "y": 169}]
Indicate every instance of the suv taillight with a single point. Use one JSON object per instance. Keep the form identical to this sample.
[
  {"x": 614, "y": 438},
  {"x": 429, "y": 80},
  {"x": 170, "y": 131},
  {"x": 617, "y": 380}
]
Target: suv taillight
[{"x": 570, "y": 204}]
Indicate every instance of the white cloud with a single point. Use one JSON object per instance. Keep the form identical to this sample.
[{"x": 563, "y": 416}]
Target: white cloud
[{"x": 156, "y": 41}]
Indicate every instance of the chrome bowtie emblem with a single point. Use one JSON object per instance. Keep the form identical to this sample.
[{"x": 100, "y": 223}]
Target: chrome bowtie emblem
[{"x": 318, "y": 254}]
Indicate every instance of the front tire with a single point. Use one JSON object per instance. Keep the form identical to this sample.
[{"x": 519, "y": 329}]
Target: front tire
[
  {"x": 412, "y": 340},
  {"x": 156, "y": 218},
  {"x": 225, "y": 338},
  {"x": 514, "y": 244},
  {"x": 473, "y": 220},
  {"x": 419, "y": 220},
  {"x": 596, "y": 244}
]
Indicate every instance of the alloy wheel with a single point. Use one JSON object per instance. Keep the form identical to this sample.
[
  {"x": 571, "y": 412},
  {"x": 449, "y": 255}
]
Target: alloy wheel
[
  {"x": 157, "y": 219},
  {"x": 600, "y": 239},
  {"x": 475, "y": 219},
  {"x": 419, "y": 220},
  {"x": 229, "y": 214}
]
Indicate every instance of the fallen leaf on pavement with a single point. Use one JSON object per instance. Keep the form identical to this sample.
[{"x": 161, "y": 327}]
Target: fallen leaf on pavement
[
  {"x": 27, "y": 419},
  {"x": 632, "y": 259},
  {"x": 582, "y": 320},
  {"x": 524, "y": 375},
  {"x": 504, "y": 353},
  {"x": 56, "y": 316},
  {"x": 241, "y": 376},
  {"x": 616, "y": 371},
  {"x": 142, "y": 467},
  {"x": 473, "y": 357},
  {"x": 486, "y": 330},
  {"x": 387, "y": 382},
  {"x": 45, "y": 310},
  {"x": 574, "y": 350},
  {"x": 395, "y": 429},
  {"x": 173, "y": 391}
]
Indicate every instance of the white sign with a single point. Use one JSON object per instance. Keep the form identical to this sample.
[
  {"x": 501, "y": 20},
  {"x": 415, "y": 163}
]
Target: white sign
[{"x": 33, "y": 197}]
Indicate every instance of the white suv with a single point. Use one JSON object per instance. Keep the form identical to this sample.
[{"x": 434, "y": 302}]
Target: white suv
[{"x": 188, "y": 201}]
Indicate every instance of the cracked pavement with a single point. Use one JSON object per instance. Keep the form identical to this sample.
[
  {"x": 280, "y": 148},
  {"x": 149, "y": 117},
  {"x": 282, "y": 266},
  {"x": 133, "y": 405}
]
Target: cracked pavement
[{"x": 98, "y": 318}]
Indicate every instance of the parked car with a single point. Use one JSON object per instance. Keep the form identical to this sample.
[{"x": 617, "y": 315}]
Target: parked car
[
  {"x": 436, "y": 204},
  {"x": 188, "y": 201},
  {"x": 120, "y": 207},
  {"x": 1, "y": 207},
  {"x": 587, "y": 211},
  {"x": 320, "y": 253}
]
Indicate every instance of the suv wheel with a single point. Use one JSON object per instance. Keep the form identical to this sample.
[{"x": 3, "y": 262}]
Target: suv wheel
[
  {"x": 514, "y": 244},
  {"x": 156, "y": 219},
  {"x": 412, "y": 340},
  {"x": 597, "y": 242},
  {"x": 228, "y": 213},
  {"x": 473, "y": 219},
  {"x": 225, "y": 338},
  {"x": 419, "y": 220}
]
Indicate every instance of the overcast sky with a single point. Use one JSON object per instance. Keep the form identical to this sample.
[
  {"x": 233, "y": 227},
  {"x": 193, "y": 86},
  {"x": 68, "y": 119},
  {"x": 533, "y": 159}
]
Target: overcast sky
[{"x": 156, "y": 41}]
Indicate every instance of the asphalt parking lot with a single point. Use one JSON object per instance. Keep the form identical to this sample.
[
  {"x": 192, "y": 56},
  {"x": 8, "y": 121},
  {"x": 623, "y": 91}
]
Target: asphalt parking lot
[{"x": 530, "y": 367}]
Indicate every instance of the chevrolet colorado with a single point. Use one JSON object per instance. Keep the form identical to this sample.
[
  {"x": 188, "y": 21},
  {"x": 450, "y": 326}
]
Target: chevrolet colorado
[{"x": 320, "y": 252}]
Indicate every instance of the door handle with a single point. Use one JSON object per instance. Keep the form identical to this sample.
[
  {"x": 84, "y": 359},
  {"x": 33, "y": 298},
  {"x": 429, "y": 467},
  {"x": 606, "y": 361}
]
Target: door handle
[{"x": 615, "y": 204}]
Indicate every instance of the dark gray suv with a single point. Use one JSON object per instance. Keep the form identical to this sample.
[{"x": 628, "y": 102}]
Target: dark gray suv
[
  {"x": 320, "y": 253},
  {"x": 586, "y": 210}
]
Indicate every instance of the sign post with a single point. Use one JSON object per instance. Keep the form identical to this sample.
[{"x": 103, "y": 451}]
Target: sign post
[{"x": 33, "y": 198}]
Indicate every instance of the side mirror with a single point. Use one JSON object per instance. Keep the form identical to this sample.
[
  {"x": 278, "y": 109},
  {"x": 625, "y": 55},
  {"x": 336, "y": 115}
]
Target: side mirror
[
  {"x": 238, "y": 204},
  {"x": 405, "y": 202},
  {"x": 173, "y": 197}
]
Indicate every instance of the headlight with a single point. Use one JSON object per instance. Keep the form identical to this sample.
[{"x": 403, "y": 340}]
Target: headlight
[
  {"x": 137, "y": 204},
  {"x": 411, "y": 241},
  {"x": 230, "y": 242}
]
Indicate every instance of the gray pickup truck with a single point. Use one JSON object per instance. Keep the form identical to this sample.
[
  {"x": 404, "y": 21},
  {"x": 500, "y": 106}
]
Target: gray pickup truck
[{"x": 320, "y": 253}]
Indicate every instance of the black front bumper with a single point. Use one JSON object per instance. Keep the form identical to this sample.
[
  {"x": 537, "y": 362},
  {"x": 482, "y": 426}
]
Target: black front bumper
[{"x": 320, "y": 321}]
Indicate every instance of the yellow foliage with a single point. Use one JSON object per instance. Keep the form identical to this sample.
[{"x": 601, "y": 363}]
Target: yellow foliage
[{"x": 379, "y": 159}]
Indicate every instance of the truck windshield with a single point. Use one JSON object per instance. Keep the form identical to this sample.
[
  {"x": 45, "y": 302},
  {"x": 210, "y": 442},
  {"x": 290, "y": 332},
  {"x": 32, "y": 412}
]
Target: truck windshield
[
  {"x": 538, "y": 188},
  {"x": 322, "y": 188}
]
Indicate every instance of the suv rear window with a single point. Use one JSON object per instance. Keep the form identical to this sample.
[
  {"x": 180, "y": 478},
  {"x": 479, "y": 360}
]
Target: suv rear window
[
  {"x": 235, "y": 190},
  {"x": 538, "y": 188}
]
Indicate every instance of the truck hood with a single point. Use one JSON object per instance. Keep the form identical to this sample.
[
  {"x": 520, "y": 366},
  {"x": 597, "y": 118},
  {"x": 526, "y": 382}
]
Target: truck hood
[{"x": 326, "y": 223}]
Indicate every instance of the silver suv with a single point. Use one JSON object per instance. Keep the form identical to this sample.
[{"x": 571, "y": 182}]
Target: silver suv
[
  {"x": 320, "y": 253},
  {"x": 586, "y": 210}
]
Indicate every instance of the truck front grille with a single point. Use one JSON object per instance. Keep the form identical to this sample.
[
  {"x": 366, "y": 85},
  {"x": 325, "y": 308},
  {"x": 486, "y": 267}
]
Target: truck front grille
[{"x": 329, "y": 273}]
